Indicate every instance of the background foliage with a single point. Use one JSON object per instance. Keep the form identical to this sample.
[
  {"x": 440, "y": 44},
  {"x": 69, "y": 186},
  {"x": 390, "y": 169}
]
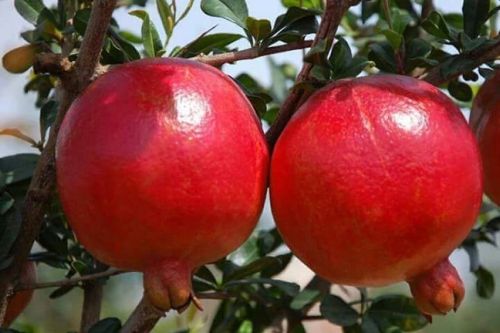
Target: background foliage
[{"x": 403, "y": 37}]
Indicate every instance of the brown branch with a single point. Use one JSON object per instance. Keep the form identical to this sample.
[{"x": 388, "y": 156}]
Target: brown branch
[
  {"x": 427, "y": 8},
  {"x": 93, "y": 291},
  {"x": 40, "y": 190},
  {"x": 143, "y": 319},
  {"x": 470, "y": 60},
  {"x": 72, "y": 281},
  {"x": 251, "y": 53},
  {"x": 334, "y": 11},
  {"x": 56, "y": 65},
  {"x": 51, "y": 63},
  {"x": 92, "y": 300}
]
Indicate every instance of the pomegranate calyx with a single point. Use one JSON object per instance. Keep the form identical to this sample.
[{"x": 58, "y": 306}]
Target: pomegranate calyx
[
  {"x": 167, "y": 285},
  {"x": 438, "y": 290}
]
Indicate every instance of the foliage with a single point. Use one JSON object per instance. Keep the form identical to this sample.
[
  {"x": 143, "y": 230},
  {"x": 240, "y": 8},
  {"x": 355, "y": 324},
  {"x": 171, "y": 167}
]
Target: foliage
[{"x": 371, "y": 39}]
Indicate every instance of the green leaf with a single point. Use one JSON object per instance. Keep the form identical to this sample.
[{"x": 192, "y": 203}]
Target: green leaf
[
  {"x": 368, "y": 8},
  {"x": 317, "y": 54},
  {"x": 356, "y": 328},
  {"x": 436, "y": 25},
  {"x": 30, "y": 10},
  {"x": 128, "y": 50},
  {"x": 289, "y": 288},
  {"x": 397, "y": 310},
  {"x": 150, "y": 37},
  {"x": 107, "y": 325},
  {"x": 337, "y": 311},
  {"x": 309, "y": 4},
  {"x": 19, "y": 167},
  {"x": 81, "y": 20},
  {"x": 485, "y": 283},
  {"x": 341, "y": 55},
  {"x": 368, "y": 325},
  {"x": 418, "y": 48},
  {"x": 259, "y": 29},
  {"x": 475, "y": 14},
  {"x": 246, "y": 327},
  {"x": 166, "y": 15},
  {"x": 292, "y": 16},
  {"x": 321, "y": 73},
  {"x": 393, "y": 38},
  {"x": 207, "y": 44},
  {"x": 304, "y": 298},
  {"x": 400, "y": 20},
  {"x": 471, "y": 248},
  {"x": 460, "y": 90},
  {"x": 61, "y": 291},
  {"x": 252, "y": 268},
  {"x": 48, "y": 114},
  {"x": 6, "y": 202},
  {"x": 130, "y": 37},
  {"x": 356, "y": 66},
  {"x": 279, "y": 88},
  {"x": 205, "y": 273},
  {"x": 383, "y": 56},
  {"x": 235, "y": 11},
  {"x": 10, "y": 224}
]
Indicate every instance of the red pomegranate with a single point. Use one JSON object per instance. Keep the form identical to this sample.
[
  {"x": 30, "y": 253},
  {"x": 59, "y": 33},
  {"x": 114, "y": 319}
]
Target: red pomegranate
[
  {"x": 485, "y": 121},
  {"x": 376, "y": 180},
  {"x": 162, "y": 167},
  {"x": 20, "y": 300}
]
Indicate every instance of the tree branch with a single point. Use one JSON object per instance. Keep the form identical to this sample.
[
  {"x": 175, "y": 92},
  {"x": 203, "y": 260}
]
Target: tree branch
[
  {"x": 143, "y": 319},
  {"x": 93, "y": 291},
  {"x": 251, "y": 53},
  {"x": 470, "y": 60},
  {"x": 92, "y": 300},
  {"x": 42, "y": 183},
  {"x": 334, "y": 11},
  {"x": 72, "y": 281},
  {"x": 56, "y": 65}
]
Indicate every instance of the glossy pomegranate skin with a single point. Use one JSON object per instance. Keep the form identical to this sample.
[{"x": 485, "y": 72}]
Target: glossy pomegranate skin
[
  {"x": 485, "y": 121},
  {"x": 375, "y": 180},
  {"x": 20, "y": 300},
  {"x": 159, "y": 161}
]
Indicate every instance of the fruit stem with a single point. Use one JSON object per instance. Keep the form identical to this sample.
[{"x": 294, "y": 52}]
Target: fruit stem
[
  {"x": 438, "y": 290},
  {"x": 167, "y": 285}
]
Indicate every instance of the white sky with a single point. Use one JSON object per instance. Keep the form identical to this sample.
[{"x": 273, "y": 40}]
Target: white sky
[{"x": 17, "y": 109}]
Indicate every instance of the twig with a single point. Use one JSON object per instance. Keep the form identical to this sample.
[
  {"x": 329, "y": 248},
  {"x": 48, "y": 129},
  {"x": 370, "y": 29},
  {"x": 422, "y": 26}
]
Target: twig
[
  {"x": 251, "y": 53},
  {"x": 334, "y": 11},
  {"x": 143, "y": 319},
  {"x": 471, "y": 60},
  {"x": 72, "y": 281},
  {"x": 42, "y": 183},
  {"x": 92, "y": 300},
  {"x": 93, "y": 291},
  {"x": 56, "y": 65},
  {"x": 427, "y": 8}
]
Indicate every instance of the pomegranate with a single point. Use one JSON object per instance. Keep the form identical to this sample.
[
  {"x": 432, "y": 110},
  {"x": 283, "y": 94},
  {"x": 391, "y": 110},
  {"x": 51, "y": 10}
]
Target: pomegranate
[
  {"x": 20, "y": 300},
  {"x": 485, "y": 121},
  {"x": 162, "y": 167},
  {"x": 376, "y": 180}
]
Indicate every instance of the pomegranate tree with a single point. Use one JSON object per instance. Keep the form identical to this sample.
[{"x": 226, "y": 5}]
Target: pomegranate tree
[
  {"x": 376, "y": 180},
  {"x": 485, "y": 120},
  {"x": 161, "y": 168},
  {"x": 20, "y": 300}
]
